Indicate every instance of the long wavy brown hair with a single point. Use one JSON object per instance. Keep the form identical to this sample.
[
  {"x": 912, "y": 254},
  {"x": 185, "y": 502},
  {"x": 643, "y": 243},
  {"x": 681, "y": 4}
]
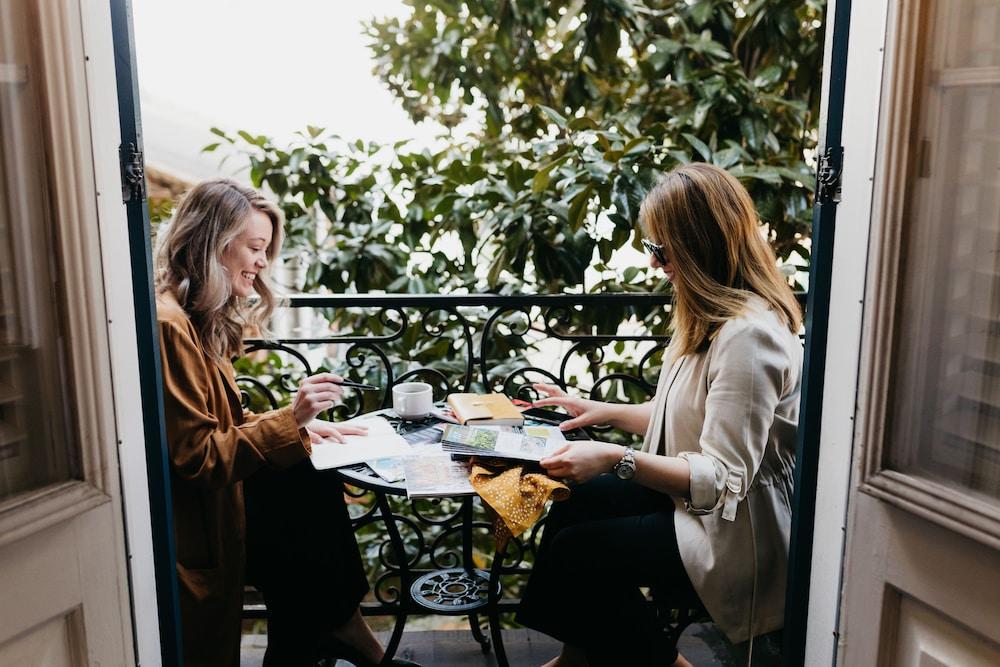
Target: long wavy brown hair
[
  {"x": 711, "y": 233},
  {"x": 189, "y": 264}
]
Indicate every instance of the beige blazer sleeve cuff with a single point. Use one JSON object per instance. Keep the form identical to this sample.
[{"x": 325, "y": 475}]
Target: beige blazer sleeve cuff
[{"x": 708, "y": 480}]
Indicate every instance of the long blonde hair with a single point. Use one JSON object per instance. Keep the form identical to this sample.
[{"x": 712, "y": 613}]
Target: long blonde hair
[
  {"x": 710, "y": 231},
  {"x": 189, "y": 264}
]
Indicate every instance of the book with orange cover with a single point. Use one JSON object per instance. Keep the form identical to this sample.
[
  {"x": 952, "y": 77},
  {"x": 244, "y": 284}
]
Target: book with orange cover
[{"x": 476, "y": 409}]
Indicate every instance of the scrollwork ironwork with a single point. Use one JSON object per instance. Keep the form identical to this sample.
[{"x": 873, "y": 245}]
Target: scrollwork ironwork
[{"x": 487, "y": 338}]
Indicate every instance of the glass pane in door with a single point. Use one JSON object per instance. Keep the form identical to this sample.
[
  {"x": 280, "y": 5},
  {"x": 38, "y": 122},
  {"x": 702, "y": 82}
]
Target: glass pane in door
[
  {"x": 945, "y": 377},
  {"x": 36, "y": 445}
]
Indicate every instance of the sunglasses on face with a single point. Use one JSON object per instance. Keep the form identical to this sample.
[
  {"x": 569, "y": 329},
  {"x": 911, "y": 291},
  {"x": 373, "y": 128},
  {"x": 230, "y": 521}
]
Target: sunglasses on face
[{"x": 656, "y": 250}]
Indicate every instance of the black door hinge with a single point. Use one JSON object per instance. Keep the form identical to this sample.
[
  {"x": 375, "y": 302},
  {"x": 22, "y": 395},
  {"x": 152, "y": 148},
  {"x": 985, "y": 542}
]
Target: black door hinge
[
  {"x": 133, "y": 173},
  {"x": 831, "y": 167}
]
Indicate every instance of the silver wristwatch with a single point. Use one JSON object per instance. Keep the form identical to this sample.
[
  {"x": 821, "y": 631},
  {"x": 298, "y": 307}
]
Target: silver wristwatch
[{"x": 625, "y": 468}]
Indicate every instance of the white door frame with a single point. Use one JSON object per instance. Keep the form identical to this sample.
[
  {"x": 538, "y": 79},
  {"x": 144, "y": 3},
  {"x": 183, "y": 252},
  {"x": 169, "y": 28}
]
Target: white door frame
[
  {"x": 862, "y": 98},
  {"x": 69, "y": 561},
  {"x": 99, "y": 42},
  {"x": 948, "y": 564}
]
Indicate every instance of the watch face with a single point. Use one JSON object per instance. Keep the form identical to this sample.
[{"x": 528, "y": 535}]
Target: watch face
[{"x": 625, "y": 471}]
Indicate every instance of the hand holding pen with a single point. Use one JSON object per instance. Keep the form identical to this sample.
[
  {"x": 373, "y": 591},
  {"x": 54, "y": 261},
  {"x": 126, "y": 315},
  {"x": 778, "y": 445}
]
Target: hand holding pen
[
  {"x": 357, "y": 385},
  {"x": 318, "y": 393}
]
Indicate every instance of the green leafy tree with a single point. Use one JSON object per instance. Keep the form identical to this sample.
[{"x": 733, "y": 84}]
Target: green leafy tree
[
  {"x": 582, "y": 103},
  {"x": 564, "y": 115}
]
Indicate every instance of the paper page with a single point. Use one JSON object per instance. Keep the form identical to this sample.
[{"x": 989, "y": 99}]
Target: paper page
[
  {"x": 524, "y": 446},
  {"x": 435, "y": 476},
  {"x": 503, "y": 441},
  {"x": 529, "y": 442},
  {"x": 391, "y": 470},
  {"x": 381, "y": 442},
  {"x": 551, "y": 433}
]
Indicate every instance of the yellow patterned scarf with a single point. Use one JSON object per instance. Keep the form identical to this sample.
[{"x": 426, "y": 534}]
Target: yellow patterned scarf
[{"x": 516, "y": 497}]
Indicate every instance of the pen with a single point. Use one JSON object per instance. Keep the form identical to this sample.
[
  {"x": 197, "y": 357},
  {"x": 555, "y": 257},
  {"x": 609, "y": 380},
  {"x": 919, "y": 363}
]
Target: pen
[{"x": 357, "y": 385}]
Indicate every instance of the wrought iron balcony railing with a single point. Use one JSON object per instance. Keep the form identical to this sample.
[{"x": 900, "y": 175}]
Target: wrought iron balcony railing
[
  {"x": 478, "y": 332},
  {"x": 600, "y": 343}
]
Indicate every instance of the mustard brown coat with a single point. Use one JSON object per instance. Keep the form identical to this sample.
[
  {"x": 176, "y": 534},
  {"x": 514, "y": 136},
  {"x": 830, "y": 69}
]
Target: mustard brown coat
[{"x": 213, "y": 445}]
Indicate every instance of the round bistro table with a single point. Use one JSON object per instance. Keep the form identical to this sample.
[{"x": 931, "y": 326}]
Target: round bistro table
[{"x": 452, "y": 591}]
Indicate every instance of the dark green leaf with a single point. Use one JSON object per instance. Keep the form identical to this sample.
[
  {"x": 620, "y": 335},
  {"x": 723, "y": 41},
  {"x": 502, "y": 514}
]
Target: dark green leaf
[
  {"x": 554, "y": 115},
  {"x": 703, "y": 150}
]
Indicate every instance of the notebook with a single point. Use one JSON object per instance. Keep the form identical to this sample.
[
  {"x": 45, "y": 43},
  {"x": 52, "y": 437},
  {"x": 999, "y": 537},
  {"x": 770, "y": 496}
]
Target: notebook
[
  {"x": 381, "y": 442},
  {"x": 477, "y": 409}
]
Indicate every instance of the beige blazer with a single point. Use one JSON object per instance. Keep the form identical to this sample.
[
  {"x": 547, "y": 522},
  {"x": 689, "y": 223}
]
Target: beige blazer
[
  {"x": 213, "y": 445},
  {"x": 732, "y": 413}
]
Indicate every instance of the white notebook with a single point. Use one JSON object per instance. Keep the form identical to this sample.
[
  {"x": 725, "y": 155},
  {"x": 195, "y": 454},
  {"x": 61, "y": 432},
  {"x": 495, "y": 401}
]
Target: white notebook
[{"x": 382, "y": 441}]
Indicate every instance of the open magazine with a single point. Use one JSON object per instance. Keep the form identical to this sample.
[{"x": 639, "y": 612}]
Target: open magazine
[
  {"x": 530, "y": 443},
  {"x": 436, "y": 475}
]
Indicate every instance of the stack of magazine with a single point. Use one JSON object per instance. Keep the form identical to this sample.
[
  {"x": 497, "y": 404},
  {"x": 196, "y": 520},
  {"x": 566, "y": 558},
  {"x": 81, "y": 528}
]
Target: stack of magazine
[{"x": 532, "y": 443}]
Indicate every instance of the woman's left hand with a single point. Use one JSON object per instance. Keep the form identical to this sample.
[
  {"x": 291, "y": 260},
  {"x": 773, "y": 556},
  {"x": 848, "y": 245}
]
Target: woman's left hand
[
  {"x": 581, "y": 460},
  {"x": 320, "y": 428}
]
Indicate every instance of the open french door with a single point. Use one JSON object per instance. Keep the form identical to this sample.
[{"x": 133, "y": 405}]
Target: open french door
[
  {"x": 76, "y": 556},
  {"x": 923, "y": 552}
]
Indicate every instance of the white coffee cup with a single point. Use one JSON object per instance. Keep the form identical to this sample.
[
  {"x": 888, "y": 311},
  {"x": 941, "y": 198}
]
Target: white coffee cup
[{"x": 412, "y": 400}]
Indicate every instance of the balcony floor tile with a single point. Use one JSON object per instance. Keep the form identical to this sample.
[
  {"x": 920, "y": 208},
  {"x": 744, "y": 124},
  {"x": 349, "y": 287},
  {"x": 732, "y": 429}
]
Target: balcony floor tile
[{"x": 701, "y": 644}]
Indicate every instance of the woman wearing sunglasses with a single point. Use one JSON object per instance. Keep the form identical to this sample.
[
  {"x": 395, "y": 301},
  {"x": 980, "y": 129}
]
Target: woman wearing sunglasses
[{"x": 702, "y": 512}]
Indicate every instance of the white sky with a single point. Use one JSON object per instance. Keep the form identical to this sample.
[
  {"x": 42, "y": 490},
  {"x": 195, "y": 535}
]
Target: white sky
[
  {"x": 269, "y": 68},
  {"x": 262, "y": 66}
]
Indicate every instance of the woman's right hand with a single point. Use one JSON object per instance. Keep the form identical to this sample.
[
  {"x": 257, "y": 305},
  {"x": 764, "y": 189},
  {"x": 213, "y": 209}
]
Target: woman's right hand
[
  {"x": 585, "y": 411},
  {"x": 316, "y": 393}
]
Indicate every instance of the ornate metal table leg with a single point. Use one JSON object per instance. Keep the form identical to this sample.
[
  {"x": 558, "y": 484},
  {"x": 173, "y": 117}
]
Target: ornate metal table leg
[
  {"x": 404, "y": 574},
  {"x": 494, "y": 606},
  {"x": 470, "y": 567},
  {"x": 477, "y": 632}
]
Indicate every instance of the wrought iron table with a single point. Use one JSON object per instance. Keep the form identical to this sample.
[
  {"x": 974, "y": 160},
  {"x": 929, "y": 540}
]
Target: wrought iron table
[{"x": 465, "y": 590}]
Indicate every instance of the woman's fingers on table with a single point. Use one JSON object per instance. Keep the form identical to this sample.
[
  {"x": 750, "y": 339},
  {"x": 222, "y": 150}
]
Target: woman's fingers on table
[
  {"x": 325, "y": 429},
  {"x": 559, "y": 401},
  {"x": 575, "y": 422},
  {"x": 571, "y": 405},
  {"x": 559, "y": 452},
  {"x": 580, "y": 415},
  {"x": 352, "y": 430},
  {"x": 555, "y": 460},
  {"x": 579, "y": 461},
  {"x": 548, "y": 389}
]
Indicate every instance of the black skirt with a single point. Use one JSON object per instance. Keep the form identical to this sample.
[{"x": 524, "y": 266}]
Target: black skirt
[
  {"x": 598, "y": 548},
  {"x": 302, "y": 556}
]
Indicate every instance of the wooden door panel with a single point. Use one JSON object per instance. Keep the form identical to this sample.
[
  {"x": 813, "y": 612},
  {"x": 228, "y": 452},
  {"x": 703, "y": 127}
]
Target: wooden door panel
[
  {"x": 924, "y": 637},
  {"x": 54, "y": 643},
  {"x": 63, "y": 558}
]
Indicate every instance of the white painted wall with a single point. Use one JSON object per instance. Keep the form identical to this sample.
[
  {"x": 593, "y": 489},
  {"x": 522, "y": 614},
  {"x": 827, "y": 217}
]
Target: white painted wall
[{"x": 861, "y": 112}]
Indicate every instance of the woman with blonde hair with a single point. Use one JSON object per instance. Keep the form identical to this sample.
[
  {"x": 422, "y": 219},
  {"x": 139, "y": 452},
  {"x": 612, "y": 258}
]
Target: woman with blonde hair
[
  {"x": 702, "y": 513},
  {"x": 211, "y": 258}
]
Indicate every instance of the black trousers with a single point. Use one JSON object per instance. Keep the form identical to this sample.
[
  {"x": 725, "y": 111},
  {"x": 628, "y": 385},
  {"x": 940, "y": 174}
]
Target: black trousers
[
  {"x": 603, "y": 543},
  {"x": 303, "y": 557}
]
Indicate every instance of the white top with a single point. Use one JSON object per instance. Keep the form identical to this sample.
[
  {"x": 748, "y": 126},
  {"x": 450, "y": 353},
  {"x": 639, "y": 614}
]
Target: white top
[{"x": 732, "y": 412}]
